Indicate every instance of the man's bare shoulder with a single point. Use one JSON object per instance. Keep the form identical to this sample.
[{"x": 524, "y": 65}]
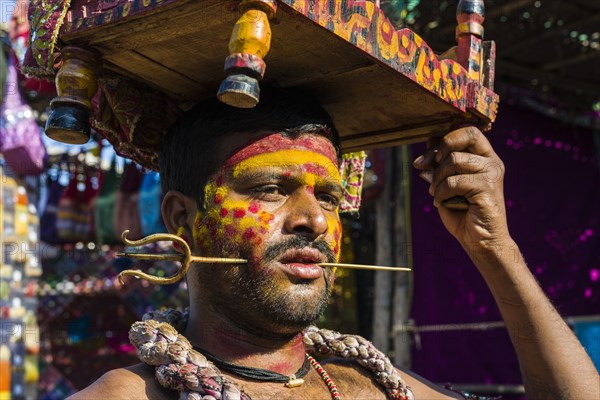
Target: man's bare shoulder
[
  {"x": 133, "y": 383},
  {"x": 350, "y": 372}
]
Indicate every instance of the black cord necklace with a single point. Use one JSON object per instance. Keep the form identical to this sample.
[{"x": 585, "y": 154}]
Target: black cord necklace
[{"x": 259, "y": 374}]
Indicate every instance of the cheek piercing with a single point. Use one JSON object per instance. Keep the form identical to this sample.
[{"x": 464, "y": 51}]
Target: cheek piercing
[{"x": 187, "y": 258}]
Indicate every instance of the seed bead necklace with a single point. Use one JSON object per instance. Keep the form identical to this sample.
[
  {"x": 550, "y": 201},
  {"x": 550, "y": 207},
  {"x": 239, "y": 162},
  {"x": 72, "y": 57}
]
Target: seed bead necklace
[{"x": 335, "y": 395}]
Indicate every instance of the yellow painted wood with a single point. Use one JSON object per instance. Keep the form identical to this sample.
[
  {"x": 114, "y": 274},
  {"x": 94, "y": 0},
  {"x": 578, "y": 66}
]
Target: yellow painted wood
[
  {"x": 77, "y": 79},
  {"x": 251, "y": 34}
]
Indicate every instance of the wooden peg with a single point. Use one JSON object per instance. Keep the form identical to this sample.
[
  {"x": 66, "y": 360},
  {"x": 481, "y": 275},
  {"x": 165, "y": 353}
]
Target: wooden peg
[
  {"x": 250, "y": 42},
  {"x": 76, "y": 85},
  {"x": 470, "y": 15}
]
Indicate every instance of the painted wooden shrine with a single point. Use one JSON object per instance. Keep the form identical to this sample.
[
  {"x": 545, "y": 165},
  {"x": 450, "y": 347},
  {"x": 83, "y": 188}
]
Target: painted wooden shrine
[{"x": 382, "y": 86}]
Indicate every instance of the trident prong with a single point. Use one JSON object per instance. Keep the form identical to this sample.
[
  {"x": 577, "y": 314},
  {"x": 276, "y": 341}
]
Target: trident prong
[{"x": 187, "y": 258}]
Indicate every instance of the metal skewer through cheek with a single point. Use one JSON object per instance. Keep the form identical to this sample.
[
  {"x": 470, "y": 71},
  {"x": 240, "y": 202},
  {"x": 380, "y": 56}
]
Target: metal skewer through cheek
[{"x": 187, "y": 258}]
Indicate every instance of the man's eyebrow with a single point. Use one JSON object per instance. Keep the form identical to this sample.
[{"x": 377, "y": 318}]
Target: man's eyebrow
[{"x": 332, "y": 187}]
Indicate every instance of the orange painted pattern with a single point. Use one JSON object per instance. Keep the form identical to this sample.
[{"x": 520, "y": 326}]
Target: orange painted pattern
[{"x": 365, "y": 26}]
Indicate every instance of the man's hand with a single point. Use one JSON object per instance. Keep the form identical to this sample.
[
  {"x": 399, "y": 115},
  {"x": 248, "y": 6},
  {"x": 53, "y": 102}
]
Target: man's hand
[
  {"x": 553, "y": 363},
  {"x": 463, "y": 163}
]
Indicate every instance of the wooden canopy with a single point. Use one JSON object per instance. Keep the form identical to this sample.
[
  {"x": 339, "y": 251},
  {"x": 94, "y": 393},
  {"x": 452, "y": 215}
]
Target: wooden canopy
[{"x": 382, "y": 86}]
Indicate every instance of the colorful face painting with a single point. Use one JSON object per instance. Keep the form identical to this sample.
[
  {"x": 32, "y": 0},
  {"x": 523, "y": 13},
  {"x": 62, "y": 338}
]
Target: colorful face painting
[{"x": 252, "y": 200}]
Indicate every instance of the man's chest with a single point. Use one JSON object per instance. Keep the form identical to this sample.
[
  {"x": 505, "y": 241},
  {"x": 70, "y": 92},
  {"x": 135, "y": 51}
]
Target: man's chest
[{"x": 349, "y": 385}]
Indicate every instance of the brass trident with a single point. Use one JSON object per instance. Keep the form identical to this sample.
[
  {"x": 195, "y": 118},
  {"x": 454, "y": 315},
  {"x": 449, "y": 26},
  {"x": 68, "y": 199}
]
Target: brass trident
[{"x": 187, "y": 258}]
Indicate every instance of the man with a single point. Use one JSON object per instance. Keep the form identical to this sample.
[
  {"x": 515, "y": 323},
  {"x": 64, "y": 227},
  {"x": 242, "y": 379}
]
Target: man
[{"x": 263, "y": 185}]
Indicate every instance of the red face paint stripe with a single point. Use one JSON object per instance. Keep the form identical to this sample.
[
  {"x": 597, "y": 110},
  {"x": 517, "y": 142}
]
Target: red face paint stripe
[
  {"x": 277, "y": 142},
  {"x": 316, "y": 169}
]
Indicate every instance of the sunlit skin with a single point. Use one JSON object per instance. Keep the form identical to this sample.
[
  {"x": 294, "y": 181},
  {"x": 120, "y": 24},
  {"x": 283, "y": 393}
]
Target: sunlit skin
[
  {"x": 275, "y": 203},
  {"x": 242, "y": 199},
  {"x": 252, "y": 314}
]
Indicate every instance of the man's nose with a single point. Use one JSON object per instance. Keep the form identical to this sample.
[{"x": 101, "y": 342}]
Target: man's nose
[{"x": 305, "y": 217}]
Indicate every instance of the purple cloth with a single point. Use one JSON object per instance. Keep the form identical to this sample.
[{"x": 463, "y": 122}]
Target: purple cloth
[
  {"x": 552, "y": 190},
  {"x": 20, "y": 136}
]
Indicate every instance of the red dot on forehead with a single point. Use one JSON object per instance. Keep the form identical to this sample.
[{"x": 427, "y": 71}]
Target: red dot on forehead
[{"x": 276, "y": 142}]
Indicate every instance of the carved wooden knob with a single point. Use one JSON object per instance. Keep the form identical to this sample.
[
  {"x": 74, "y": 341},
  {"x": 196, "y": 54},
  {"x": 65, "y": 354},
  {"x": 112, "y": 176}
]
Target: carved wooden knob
[
  {"x": 470, "y": 15},
  {"x": 250, "y": 42},
  {"x": 76, "y": 85}
]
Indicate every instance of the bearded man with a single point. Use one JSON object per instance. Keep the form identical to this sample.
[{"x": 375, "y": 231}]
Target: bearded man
[{"x": 263, "y": 185}]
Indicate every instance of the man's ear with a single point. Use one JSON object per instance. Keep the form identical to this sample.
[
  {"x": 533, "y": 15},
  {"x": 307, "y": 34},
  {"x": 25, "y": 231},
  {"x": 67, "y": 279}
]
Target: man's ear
[{"x": 178, "y": 210}]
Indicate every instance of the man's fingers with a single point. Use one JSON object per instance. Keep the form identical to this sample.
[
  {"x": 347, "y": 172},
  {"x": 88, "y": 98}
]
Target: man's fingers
[
  {"x": 455, "y": 185},
  {"x": 427, "y": 160},
  {"x": 468, "y": 139},
  {"x": 467, "y": 185},
  {"x": 458, "y": 163}
]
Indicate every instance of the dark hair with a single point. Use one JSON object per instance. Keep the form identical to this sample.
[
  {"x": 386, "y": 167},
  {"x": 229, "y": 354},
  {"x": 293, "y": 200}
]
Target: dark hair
[{"x": 195, "y": 146}]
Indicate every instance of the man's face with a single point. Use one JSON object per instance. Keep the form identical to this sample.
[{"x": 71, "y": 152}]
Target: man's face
[{"x": 275, "y": 203}]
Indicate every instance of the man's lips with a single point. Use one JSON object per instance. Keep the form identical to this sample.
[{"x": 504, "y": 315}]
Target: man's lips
[{"x": 302, "y": 263}]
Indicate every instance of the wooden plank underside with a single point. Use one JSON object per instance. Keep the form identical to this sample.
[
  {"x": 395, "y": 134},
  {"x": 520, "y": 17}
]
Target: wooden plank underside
[
  {"x": 161, "y": 77},
  {"x": 181, "y": 52},
  {"x": 375, "y": 114}
]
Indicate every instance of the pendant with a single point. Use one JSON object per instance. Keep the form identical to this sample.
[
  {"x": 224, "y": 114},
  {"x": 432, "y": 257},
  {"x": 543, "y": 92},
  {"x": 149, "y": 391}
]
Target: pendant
[{"x": 294, "y": 382}]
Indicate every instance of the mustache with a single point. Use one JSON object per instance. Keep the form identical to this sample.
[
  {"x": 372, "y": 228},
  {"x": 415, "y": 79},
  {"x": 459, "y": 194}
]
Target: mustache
[{"x": 298, "y": 242}]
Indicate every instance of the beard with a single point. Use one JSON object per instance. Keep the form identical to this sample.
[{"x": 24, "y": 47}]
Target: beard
[{"x": 256, "y": 298}]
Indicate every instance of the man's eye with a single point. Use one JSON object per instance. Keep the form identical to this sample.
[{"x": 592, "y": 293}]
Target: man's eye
[
  {"x": 268, "y": 191},
  {"x": 328, "y": 199}
]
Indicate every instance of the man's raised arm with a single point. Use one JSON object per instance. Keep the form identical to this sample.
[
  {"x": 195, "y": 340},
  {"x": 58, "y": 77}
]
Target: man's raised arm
[{"x": 554, "y": 365}]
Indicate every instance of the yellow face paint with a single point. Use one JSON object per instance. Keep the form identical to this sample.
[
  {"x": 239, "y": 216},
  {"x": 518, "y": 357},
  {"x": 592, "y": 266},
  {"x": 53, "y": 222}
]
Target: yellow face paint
[
  {"x": 236, "y": 221},
  {"x": 314, "y": 164},
  {"x": 233, "y": 219}
]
